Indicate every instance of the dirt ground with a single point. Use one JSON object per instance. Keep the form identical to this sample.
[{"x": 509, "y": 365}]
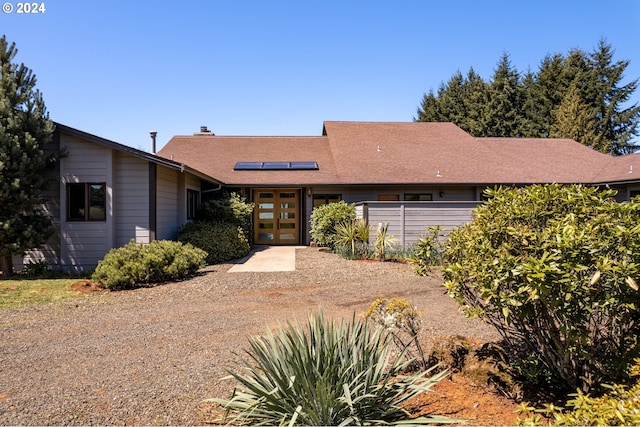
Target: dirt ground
[
  {"x": 457, "y": 397},
  {"x": 151, "y": 356}
]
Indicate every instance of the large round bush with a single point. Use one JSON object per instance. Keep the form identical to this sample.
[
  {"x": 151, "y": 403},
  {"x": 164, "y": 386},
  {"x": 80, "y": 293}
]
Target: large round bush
[
  {"x": 325, "y": 218},
  {"x": 555, "y": 269}
]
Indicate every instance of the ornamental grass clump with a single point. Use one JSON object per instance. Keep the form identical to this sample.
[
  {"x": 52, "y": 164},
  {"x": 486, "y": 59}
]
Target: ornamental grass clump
[{"x": 325, "y": 373}]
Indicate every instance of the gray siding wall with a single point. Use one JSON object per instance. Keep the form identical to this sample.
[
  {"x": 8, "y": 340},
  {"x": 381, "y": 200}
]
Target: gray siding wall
[
  {"x": 409, "y": 221},
  {"x": 131, "y": 200},
  {"x": 167, "y": 204},
  {"x": 83, "y": 244}
]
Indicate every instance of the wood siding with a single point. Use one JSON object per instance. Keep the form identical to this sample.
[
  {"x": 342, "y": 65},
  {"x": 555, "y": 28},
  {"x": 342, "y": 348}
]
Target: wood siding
[
  {"x": 131, "y": 182},
  {"x": 83, "y": 244},
  {"x": 167, "y": 204},
  {"x": 408, "y": 225},
  {"x": 409, "y": 221}
]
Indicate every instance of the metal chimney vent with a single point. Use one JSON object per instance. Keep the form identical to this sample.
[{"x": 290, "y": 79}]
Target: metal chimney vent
[{"x": 204, "y": 130}]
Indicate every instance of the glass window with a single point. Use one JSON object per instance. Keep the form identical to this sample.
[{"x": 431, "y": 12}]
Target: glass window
[
  {"x": 86, "y": 202},
  {"x": 325, "y": 199},
  {"x": 418, "y": 197},
  {"x": 193, "y": 203},
  {"x": 388, "y": 197}
]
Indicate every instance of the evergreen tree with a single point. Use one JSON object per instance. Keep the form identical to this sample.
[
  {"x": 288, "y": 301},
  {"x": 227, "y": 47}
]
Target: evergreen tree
[
  {"x": 615, "y": 125},
  {"x": 573, "y": 120},
  {"x": 544, "y": 92},
  {"x": 429, "y": 109},
  {"x": 451, "y": 96},
  {"x": 475, "y": 102},
  {"x": 25, "y": 129},
  {"x": 460, "y": 101},
  {"x": 504, "y": 109},
  {"x": 511, "y": 106}
]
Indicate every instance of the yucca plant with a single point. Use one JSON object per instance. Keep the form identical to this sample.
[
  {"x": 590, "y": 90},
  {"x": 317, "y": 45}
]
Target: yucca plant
[
  {"x": 384, "y": 241},
  {"x": 353, "y": 234},
  {"x": 325, "y": 373}
]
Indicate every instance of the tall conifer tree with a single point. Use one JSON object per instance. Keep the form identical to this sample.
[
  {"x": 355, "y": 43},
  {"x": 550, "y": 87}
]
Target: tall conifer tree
[
  {"x": 585, "y": 86},
  {"x": 25, "y": 129},
  {"x": 504, "y": 116}
]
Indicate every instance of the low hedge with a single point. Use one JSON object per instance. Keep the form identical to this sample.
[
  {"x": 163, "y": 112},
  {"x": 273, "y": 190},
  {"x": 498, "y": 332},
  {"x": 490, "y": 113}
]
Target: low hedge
[
  {"x": 221, "y": 241},
  {"x": 135, "y": 264}
]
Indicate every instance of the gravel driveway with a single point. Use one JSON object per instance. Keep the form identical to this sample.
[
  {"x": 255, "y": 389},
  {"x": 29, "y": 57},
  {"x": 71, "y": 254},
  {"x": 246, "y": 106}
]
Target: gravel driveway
[{"x": 150, "y": 356}]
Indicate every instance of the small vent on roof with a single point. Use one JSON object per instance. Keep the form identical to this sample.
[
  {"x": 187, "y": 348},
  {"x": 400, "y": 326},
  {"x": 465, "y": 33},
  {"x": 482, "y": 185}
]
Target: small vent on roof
[{"x": 204, "y": 131}]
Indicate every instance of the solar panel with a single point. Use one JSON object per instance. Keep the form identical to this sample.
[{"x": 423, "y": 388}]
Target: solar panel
[
  {"x": 248, "y": 166},
  {"x": 276, "y": 166},
  {"x": 304, "y": 165}
]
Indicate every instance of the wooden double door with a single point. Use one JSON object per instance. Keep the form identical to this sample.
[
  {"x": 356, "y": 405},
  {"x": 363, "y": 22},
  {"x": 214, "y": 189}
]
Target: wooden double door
[{"x": 276, "y": 217}]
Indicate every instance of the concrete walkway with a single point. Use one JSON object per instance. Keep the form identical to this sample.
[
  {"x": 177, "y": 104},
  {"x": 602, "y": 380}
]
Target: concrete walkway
[{"x": 267, "y": 258}]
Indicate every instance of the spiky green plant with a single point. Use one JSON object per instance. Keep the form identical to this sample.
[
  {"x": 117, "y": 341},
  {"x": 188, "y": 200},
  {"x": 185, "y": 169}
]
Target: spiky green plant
[
  {"x": 353, "y": 234},
  {"x": 383, "y": 241},
  {"x": 325, "y": 373}
]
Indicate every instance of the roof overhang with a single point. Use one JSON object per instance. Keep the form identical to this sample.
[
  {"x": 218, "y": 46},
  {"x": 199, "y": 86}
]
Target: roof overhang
[{"x": 153, "y": 158}]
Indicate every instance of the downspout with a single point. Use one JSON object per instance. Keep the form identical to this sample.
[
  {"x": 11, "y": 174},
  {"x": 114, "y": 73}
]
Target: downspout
[{"x": 212, "y": 189}]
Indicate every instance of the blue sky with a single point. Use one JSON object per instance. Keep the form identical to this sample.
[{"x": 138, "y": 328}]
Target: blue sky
[{"x": 119, "y": 69}]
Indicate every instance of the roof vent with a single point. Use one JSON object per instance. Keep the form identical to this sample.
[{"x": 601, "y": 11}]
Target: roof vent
[
  {"x": 153, "y": 135},
  {"x": 204, "y": 131}
]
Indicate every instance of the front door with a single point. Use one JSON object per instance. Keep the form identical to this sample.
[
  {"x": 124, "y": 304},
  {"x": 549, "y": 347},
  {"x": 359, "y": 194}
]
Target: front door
[{"x": 276, "y": 217}]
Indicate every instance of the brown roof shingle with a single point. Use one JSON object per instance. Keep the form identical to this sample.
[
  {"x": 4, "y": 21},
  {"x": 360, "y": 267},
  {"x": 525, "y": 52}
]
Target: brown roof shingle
[{"x": 398, "y": 153}]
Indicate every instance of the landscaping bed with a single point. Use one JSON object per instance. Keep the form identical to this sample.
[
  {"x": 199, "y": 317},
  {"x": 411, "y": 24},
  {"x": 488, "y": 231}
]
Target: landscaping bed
[{"x": 152, "y": 355}]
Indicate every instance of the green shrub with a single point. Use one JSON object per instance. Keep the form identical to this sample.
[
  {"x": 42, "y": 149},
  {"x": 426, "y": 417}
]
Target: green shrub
[
  {"x": 384, "y": 243},
  {"x": 136, "y": 263},
  {"x": 620, "y": 406},
  {"x": 554, "y": 269},
  {"x": 230, "y": 209},
  {"x": 324, "y": 219},
  {"x": 428, "y": 252},
  {"x": 38, "y": 268},
  {"x": 334, "y": 374},
  {"x": 221, "y": 241},
  {"x": 351, "y": 240}
]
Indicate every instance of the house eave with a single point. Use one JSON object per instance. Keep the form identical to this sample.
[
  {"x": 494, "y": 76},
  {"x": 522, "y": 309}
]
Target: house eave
[{"x": 134, "y": 152}]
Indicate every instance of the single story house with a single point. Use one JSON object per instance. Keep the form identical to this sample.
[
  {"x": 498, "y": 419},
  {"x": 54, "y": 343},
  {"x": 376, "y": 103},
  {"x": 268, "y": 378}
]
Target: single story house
[
  {"x": 411, "y": 175},
  {"x": 108, "y": 194}
]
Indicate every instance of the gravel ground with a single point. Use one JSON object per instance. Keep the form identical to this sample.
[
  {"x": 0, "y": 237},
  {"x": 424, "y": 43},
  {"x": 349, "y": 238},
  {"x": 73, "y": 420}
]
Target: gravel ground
[{"x": 150, "y": 356}]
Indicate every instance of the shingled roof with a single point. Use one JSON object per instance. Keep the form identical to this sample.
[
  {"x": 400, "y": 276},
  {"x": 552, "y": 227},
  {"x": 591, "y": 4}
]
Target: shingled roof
[{"x": 398, "y": 153}]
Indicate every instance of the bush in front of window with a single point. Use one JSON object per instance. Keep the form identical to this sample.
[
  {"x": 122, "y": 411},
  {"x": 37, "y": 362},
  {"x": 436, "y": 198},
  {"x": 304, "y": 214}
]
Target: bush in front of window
[
  {"x": 325, "y": 218},
  {"x": 220, "y": 240},
  {"x": 137, "y": 264},
  {"x": 232, "y": 209}
]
